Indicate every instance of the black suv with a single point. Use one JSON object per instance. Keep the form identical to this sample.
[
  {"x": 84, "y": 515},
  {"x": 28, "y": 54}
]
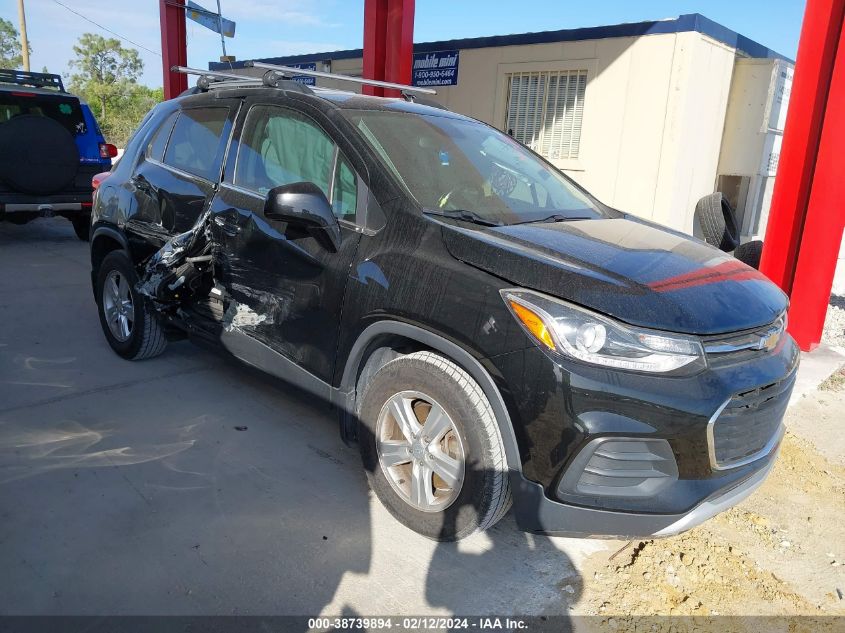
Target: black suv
[
  {"x": 50, "y": 149},
  {"x": 488, "y": 331}
]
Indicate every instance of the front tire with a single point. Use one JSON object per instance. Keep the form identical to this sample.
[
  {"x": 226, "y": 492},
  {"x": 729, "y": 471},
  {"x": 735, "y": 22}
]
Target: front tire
[
  {"x": 131, "y": 327},
  {"x": 432, "y": 449}
]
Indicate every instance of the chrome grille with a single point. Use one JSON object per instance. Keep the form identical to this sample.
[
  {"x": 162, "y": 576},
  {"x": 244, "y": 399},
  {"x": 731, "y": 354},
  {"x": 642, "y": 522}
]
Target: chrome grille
[
  {"x": 747, "y": 344},
  {"x": 748, "y": 425}
]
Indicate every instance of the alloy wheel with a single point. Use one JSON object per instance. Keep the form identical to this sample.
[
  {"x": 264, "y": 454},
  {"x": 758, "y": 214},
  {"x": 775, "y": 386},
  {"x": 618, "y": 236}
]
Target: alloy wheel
[
  {"x": 117, "y": 305},
  {"x": 420, "y": 451}
]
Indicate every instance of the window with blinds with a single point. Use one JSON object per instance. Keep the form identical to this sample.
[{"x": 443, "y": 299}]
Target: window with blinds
[{"x": 545, "y": 111}]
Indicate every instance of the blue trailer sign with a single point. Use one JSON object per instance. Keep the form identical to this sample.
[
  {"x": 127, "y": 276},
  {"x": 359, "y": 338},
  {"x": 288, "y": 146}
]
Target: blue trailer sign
[
  {"x": 305, "y": 79},
  {"x": 439, "y": 68}
]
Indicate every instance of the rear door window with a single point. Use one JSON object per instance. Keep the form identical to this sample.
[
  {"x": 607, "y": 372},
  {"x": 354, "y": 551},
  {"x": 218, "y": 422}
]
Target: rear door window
[
  {"x": 194, "y": 145},
  {"x": 62, "y": 108}
]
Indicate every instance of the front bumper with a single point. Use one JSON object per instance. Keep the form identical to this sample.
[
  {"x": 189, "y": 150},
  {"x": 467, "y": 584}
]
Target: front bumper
[
  {"x": 562, "y": 412},
  {"x": 535, "y": 512}
]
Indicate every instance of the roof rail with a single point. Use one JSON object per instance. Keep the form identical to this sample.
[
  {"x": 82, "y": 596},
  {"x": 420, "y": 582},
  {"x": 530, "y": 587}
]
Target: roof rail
[
  {"x": 209, "y": 77},
  {"x": 35, "y": 80},
  {"x": 213, "y": 79},
  {"x": 289, "y": 70}
]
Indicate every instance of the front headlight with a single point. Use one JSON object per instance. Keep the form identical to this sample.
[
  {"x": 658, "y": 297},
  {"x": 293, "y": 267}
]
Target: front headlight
[{"x": 578, "y": 333}]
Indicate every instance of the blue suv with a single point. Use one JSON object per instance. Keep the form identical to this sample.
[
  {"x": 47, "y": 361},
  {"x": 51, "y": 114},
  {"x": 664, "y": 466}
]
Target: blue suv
[{"x": 50, "y": 148}]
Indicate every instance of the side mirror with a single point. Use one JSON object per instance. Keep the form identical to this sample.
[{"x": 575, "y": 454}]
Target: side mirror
[{"x": 305, "y": 206}]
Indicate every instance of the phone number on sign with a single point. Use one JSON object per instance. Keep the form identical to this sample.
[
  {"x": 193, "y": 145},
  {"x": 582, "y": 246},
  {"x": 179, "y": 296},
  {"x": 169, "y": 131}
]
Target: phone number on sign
[
  {"x": 326, "y": 624},
  {"x": 435, "y": 74}
]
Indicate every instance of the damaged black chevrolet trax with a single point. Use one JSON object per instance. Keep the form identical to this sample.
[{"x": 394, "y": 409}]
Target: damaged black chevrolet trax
[{"x": 490, "y": 333}]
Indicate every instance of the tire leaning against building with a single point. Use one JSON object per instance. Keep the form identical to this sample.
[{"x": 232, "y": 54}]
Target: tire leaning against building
[
  {"x": 749, "y": 253},
  {"x": 717, "y": 221}
]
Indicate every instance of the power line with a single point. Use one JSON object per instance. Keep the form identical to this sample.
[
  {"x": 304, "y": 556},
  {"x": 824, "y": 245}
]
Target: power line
[{"x": 118, "y": 35}]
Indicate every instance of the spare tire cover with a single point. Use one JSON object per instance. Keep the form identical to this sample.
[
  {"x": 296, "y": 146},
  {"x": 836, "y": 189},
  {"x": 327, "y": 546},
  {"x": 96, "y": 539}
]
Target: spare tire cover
[{"x": 37, "y": 154}]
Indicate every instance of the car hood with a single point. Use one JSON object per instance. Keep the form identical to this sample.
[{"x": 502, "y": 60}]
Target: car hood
[{"x": 629, "y": 269}]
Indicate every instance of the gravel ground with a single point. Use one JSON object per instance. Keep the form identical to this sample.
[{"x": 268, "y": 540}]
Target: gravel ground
[{"x": 834, "y": 324}]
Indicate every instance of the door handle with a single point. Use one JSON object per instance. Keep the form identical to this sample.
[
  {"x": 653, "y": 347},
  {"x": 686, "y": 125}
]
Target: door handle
[{"x": 228, "y": 226}]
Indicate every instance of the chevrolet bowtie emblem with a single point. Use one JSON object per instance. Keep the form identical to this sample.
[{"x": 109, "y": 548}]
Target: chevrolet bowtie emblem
[{"x": 768, "y": 341}]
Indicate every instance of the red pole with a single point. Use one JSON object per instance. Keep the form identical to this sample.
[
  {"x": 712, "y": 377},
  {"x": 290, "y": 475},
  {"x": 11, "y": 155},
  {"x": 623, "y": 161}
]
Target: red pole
[
  {"x": 802, "y": 220},
  {"x": 388, "y": 43},
  {"x": 375, "y": 27},
  {"x": 824, "y": 221},
  {"x": 174, "y": 47},
  {"x": 399, "y": 54},
  {"x": 813, "y": 69}
]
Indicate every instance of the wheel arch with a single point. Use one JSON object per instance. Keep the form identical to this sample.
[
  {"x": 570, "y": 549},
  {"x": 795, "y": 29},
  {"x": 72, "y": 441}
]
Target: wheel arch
[
  {"x": 397, "y": 335},
  {"x": 104, "y": 240}
]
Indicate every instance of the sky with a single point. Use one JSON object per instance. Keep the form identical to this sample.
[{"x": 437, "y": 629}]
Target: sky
[{"x": 272, "y": 28}]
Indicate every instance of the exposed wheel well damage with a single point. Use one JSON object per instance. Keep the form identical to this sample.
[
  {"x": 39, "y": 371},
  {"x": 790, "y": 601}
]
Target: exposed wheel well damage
[{"x": 176, "y": 271}]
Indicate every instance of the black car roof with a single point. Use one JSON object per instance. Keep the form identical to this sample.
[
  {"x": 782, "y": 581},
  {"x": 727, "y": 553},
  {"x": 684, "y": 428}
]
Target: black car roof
[
  {"x": 340, "y": 99},
  {"x": 353, "y": 101}
]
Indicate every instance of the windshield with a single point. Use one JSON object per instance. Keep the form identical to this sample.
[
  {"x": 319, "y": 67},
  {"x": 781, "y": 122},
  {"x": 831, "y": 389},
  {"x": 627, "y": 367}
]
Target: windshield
[{"x": 456, "y": 165}]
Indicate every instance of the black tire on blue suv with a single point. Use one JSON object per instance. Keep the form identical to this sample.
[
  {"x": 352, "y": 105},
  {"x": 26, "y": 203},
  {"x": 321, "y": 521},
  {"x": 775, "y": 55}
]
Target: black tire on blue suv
[
  {"x": 131, "y": 328},
  {"x": 404, "y": 465}
]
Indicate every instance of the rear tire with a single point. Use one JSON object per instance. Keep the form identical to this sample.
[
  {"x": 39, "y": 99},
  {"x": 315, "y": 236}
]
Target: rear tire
[
  {"x": 467, "y": 498},
  {"x": 130, "y": 326},
  {"x": 82, "y": 227}
]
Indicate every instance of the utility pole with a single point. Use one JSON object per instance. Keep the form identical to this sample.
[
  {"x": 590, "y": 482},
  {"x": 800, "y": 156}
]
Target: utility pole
[
  {"x": 24, "y": 40},
  {"x": 222, "y": 37}
]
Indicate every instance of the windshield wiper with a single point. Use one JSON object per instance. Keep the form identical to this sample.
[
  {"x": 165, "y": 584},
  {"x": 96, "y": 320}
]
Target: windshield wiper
[
  {"x": 557, "y": 217},
  {"x": 465, "y": 215}
]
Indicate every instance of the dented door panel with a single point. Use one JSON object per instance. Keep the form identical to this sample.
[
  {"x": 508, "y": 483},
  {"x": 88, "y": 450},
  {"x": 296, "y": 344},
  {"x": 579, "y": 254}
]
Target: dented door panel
[
  {"x": 168, "y": 199},
  {"x": 284, "y": 289}
]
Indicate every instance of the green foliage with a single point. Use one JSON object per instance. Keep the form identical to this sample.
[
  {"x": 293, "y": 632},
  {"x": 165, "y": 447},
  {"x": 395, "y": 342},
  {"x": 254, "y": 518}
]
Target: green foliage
[
  {"x": 10, "y": 46},
  {"x": 125, "y": 115},
  {"x": 106, "y": 76}
]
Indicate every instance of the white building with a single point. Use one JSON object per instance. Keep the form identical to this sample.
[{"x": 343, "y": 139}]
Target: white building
[{"x": 649, "y": 116}]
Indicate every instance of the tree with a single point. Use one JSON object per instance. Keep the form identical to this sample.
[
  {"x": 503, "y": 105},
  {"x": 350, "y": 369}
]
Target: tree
[
  {"x": 10, "y": 46},
  {"x": 107, "y": 75},
  {"x": 105, "y": 71},
  {"x": 129, "y": 112}
]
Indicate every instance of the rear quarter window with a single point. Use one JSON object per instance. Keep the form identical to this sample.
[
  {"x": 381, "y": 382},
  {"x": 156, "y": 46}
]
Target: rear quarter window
[
  {"x": 155, "y": 148},
  {"x": 194, "y": 145},
  {"x": 62, "y": 108}
]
